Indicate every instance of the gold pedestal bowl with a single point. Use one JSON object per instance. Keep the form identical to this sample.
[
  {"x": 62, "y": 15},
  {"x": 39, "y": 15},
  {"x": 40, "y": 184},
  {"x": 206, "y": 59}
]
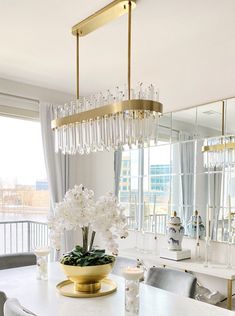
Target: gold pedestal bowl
[{"x": 87, "y": 279}]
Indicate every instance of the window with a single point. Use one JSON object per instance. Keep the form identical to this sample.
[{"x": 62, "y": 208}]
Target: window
[
  {"x": 24, "y": 195},
  {"x": 146, "y": 191},
  {"x": 23, "y": 182}
]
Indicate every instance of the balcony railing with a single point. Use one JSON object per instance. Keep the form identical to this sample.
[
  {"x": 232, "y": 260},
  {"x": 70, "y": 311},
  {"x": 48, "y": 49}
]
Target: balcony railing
[
  {"x": 22, "y": 236},
  {"x": 158, "y": 225}
]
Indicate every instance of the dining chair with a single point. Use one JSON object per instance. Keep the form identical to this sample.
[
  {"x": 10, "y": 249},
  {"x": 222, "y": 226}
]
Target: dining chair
[
  {"x": 3, "y": 299},
  {"x": 174, "y": 281},
  {"x": 17, "y": 260},
  {"x": 12, "y": 307},
  {"x": 121, "y": 263}
]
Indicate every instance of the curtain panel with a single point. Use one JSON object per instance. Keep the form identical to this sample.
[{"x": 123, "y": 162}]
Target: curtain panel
[
  {"x": 117, "y": 170},
  {"x": 62, "y": 170},
  {"x": 187, "y": 164}
]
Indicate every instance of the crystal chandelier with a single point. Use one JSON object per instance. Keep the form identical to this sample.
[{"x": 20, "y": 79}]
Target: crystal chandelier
[
  {"x": 219, "y": 151},
  {"x": 119, "y": 118}
]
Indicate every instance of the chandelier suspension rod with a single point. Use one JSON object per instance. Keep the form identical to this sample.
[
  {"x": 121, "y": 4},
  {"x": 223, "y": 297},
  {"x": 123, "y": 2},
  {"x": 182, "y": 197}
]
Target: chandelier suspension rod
[
  {"x": 129, "y": 49},
  {"x": 223, "y": 117},
  {"x": 77, "y": 64}
]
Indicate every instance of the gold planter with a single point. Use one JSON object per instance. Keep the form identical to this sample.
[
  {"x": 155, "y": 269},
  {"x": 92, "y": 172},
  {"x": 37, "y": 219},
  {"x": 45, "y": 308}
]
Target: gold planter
[{"x": 87, "y": 279}]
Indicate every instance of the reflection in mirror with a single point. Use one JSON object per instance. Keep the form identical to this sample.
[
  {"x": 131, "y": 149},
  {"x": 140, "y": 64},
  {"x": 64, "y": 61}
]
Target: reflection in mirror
[
  {"x": 156, "y": 187},
  {"x": 165, "y": 127},
  {"x": 128, "y": 186},
  {"x": 185, "y": 123},
  {"x": 175, "y": 175},
  {"x": 229, "y": 117},
  {"x": 209, "y": 120}
]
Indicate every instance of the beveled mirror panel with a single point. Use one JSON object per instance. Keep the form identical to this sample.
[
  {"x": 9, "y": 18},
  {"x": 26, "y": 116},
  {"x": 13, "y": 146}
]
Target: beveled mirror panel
[{"x": 175, "y": 175}]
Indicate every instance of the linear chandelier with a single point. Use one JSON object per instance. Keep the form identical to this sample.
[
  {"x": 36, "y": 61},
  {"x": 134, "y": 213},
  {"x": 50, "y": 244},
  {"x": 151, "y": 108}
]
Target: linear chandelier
[
  {"x": 219, "y": 151},
  {"x": 112, "y": 120}
]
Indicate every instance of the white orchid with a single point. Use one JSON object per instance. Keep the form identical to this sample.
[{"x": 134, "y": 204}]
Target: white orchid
[
  {"x": 110, "y": 221},
  {"x": 78, "y": 209}
]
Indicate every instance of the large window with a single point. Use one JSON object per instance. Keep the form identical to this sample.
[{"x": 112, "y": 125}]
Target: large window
[
  {"x": 144, "y": 187},
  {"x": 23, "y": 183}
]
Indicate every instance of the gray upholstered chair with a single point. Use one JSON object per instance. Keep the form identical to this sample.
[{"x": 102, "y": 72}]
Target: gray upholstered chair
[
  {"x": 12, "y": 307},
  {"x": 178, "y": 282},
  {"x": 3, "y": 299},
  {"x": 121, "y": 263},
  {"x": 17, "y": 260}
]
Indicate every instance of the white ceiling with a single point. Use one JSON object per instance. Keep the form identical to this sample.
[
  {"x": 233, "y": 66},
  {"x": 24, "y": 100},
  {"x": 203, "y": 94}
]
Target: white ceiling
[{"x": 185, "y": 47}]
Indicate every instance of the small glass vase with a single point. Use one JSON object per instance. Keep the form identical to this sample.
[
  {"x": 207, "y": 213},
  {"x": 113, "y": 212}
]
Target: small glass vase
[
  {"x": 132, "y": 277},
  {"x": 197, "y": 252},
  {"x": 42, "y": 263},
  {"x": 207, "y": 249},
  {"x": 132, "y": 297},
  {"x": 229, "y": 252}
]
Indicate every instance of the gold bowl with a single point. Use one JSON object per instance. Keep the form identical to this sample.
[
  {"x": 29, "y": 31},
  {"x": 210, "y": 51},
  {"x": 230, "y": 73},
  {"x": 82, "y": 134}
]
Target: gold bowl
[{"x": 87, "y": 279}]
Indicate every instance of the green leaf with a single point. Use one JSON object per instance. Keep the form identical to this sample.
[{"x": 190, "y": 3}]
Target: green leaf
[{"x": 92, "y": 258}]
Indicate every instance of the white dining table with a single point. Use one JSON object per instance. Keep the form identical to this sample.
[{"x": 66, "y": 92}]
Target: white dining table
[{"x": 43, "y": 299}]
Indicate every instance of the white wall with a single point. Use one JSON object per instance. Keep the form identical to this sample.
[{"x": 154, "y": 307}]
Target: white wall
[
  {"x": 34, "y": 92},
  {"x": 97, "y": 172}
]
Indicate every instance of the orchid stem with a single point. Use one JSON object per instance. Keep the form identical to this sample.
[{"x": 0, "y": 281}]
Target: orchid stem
[
  {"x": 85, "y": 232},
  {"x": 92, "y": 240}
]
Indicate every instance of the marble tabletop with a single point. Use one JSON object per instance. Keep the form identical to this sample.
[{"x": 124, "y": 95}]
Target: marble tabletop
[{"x": 42, "y": 298}]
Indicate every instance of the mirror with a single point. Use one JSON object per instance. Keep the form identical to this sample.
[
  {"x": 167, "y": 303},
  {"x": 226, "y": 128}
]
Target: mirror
[
  {"x": 175, "y": 176},
  {"x": 229, "y": 118},
  {"x": 209, "y": 120}
]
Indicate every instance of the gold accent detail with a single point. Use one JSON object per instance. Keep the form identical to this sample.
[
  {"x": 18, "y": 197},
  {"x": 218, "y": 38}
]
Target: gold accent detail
[
  {"x": 230, "y": 294},
  {"x": 128, "y": 105},
  {"x": 107, "y": 14},
  {"x": 77, "y": 64},
  {"x": 218, "y": 147},
  {"x": 89, "y": 288},
  {"x": 223, "y": 118},
  {"x": 87, "y": 279},
  {"x": 129, "y": 50},
  {"x": 66, "y": 288},
  {"x": 222, "y": 146}
]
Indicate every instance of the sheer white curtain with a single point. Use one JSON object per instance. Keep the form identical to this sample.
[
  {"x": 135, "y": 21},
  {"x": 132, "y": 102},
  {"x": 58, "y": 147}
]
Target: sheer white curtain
[
  {"x": 214, "y": 199},
  {"x": 117, "y": 169},
  {"x": 62, "y": 170},
  {"x": 187, "y": 164}
]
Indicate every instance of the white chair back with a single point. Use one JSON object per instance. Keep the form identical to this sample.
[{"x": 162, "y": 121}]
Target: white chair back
[
  {"x": 3, "y": 299},
  {"x": 12, "y": 307}
]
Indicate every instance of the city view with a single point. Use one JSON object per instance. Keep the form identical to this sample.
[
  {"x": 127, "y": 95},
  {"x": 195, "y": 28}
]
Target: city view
[
  {"x": 144, "y": 187},
  {"x": 24, "y": 195},
  {"x": 24, "y": 201},
  {"x": 23, "y": 183}
]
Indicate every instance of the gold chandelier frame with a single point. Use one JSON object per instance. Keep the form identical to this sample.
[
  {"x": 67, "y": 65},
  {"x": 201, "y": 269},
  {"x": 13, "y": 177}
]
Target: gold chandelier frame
[
  {"x": 115, "y": 108},
  {"x": 223, "y": 146},
  {"x": 110, "y": 12}
]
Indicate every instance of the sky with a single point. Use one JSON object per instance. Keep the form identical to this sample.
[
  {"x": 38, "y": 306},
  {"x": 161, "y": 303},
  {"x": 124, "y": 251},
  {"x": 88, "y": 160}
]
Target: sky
[{"x": 21, "y": 151}]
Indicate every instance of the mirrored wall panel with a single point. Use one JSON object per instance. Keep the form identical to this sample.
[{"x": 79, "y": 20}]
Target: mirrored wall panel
[{"x": 192, "y": 168}]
